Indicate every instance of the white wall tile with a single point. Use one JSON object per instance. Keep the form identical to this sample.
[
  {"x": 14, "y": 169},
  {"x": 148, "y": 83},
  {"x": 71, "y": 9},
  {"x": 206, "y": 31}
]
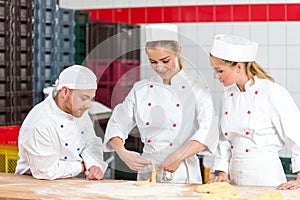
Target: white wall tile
[
  {"x": 191, "y": 55},
  {"x": 293, "y": 80},
  {"x": 70, "y": 4},
  {"x": 187, "y": 2},
  {"x": 223, "y": 28},
  {"x": 262, "y": 56},
  {"x": 277, "y": 33},
  {"x": 259, "y": 32},
  {"x": 293, "y": 33},
  {"x": 121, "y": 4},
  {"x": 188, "y": 33},
  {"x": 277, "y": 57},
  {"x": 241, "y": 29},
  {"x": 169, "y": 2},
  {"x": 138, "y": 3},
  {"x": 206, "y": 33},
  {"x": 296, "y": 97},
  {"x": 92, "y": 4},
  {"x": 293, "y": 53},
  {"x": 279, "y": 75},
  {"x": 258, "y": 1}
]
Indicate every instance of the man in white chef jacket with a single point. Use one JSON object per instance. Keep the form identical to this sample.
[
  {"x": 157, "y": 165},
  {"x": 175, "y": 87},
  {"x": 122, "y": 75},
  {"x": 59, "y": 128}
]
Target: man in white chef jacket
[
  {"x": 57, "y": 138},
  {"x": 173, "y": 112}
]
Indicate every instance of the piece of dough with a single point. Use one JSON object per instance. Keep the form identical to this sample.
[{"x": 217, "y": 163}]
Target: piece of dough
[
  {"x": 295, "y": 198},
  {"x": 218, "y": 191},
  {"x": 151, "y": 181},
  {"x": 269, "y": 195}
]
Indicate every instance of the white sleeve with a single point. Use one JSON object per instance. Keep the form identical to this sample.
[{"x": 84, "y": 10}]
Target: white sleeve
[
  {"x": 44, "y": 161},
  {"x": 207, "y": 132},
  {"x": 92, "y": 153},
  {"x": 286, "y": 119},
  {"x": 223, "y": 153},
  {"x": 222, "y": 156},
  {"x": 121, "y": 122}
]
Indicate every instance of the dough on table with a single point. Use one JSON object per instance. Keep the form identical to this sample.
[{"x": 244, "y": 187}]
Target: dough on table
[
  {"x": 151, "y": 181},
  {"x": 269, "y": 195},
  {"x": 218, "y": 191},
  {"x": 295, "y": 198}
]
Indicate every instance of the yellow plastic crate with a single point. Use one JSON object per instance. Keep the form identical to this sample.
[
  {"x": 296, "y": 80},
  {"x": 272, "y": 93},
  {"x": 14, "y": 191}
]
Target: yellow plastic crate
[{"x": 8, "y": 158}]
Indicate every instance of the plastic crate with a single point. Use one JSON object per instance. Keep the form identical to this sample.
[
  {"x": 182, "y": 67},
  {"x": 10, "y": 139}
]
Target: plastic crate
[
  {"x": 8, "y": 158},
  {"x": 102, "y": 69},
  {"x": 81, "y": 17},
  {"x": 9, "y": 135}
]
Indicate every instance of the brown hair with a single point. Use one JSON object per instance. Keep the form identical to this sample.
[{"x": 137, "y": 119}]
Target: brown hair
[
  {"x": 252, "y": 69},
  {"x": 172, "y": 45}
]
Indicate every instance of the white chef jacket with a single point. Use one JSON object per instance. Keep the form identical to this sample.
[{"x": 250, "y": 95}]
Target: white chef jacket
[
  {"x": 256, "y": 122},
  {"x": 167, "y": 116},
  {"x": 53, "y": 144}
]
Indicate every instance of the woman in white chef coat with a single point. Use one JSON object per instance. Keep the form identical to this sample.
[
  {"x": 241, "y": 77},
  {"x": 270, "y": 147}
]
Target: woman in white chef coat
[
  {"x": 57, "y": 138},
  {"x": 258, "y": 117},
  {"x": 172, "y": 111}
]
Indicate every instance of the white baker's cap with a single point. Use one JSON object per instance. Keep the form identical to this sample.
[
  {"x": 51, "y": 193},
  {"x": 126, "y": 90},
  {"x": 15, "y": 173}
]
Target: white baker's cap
[
  {"x": 77, "y": 77},
  {"x": 163, "y": 31},
  {"x": 234, "y": 48}
]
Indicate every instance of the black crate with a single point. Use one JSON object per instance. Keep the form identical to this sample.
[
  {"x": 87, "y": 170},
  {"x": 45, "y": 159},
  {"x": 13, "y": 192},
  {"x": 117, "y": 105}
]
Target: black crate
[
  {"x": 26, "y": 58},
  {"x": 14, "y": 115},
  {"x": 4, "y": 43},
  {"x": 10, "y": 84},
  {"x": 26, "y": 72},
  {"x": 4, "y": 27},
  {"x": 26, "y": 3},
  {"x": 26, "y": 44},
  {"x": 4, "y": 9},
  {"x": 26, "y": 14}
]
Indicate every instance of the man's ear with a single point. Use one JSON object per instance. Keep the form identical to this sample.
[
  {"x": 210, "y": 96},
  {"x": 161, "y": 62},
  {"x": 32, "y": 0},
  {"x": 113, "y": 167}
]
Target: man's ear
[{"x": 64, "y": 91}]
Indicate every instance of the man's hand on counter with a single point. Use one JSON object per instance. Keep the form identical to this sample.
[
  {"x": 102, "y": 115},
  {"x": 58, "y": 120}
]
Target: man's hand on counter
[{"x": 94, "y": 173}]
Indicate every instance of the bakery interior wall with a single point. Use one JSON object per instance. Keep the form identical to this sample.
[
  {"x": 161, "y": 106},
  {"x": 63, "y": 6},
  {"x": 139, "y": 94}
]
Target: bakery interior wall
[{"x": 275, "y": 25}]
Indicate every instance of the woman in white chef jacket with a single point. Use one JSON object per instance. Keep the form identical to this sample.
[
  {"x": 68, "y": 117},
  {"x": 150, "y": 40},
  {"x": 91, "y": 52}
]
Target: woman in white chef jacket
[
  {"x": 257, "y": 118},
  {"x": 173, "y": 113}
]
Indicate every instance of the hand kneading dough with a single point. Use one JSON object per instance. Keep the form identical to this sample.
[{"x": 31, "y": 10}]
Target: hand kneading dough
[
  {"x": 268, "y": 196},
  {"x": 218, "y": 191},
  {"x": 151, "y": 181}
]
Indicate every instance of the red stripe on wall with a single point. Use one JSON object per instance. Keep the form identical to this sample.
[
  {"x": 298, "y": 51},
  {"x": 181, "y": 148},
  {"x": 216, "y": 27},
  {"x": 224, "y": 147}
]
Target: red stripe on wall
[{"x": 199, "y": 13}]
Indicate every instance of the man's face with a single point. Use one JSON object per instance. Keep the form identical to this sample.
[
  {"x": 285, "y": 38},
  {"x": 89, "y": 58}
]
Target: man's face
[{"x": 78, "y": 101}]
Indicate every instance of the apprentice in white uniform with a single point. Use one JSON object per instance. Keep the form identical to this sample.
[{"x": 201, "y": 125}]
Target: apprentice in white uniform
[
  {"x": 258, "y": 117},
  {"x": 57, "y": 138},
  {"x": 173, "y": 112}
]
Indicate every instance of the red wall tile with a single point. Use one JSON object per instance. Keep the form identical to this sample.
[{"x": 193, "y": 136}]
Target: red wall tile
[
  {"x": 223, "y": 13},
  {"x": 199, "y": 13},
  {"x": 205, "y": 14},
  {"x": 258, "y": 12},
  {"x": 241, "y": 13},
  {"x": 172, "y": 14}
]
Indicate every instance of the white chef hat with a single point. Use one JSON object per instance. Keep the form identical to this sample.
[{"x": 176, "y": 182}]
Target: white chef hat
[
  {"x": 163, "y": 31},
  {"x": 77, "y": 77},
  {"x": 234, "y": 48}
]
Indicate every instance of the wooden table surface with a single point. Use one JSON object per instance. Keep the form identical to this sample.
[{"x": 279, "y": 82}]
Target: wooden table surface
[{"x": 14, "y": 186}]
